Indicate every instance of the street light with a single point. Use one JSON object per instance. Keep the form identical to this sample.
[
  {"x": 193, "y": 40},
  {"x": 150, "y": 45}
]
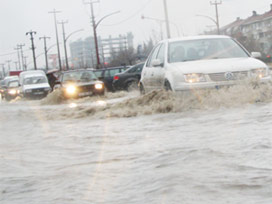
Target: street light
[
  {"x": 65, "y": 48},
  {"x": 95, "y": 25},
  {"x": 216, "y": 23},
  {"x": 160, "y": 21}
]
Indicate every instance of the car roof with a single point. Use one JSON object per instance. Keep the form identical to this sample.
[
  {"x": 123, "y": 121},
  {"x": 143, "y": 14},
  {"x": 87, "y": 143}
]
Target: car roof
[
  {"x": 78, "y": 70},
  {"x": 198, "y": 37},
  {"x": 111, "y": 68}
]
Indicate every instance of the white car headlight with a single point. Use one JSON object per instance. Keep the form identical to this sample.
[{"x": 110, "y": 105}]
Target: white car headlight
[
  {"x": 259, "y": 73},
  {"x": 98, "y": 86},
  {"x": 12, "y": 92},
  {"x": 194, "y": 78},
  {"x": 71, "y": 89}
]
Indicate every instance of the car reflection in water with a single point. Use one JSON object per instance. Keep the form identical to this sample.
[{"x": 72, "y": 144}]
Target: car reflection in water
[{"x": 79, "y": 83}]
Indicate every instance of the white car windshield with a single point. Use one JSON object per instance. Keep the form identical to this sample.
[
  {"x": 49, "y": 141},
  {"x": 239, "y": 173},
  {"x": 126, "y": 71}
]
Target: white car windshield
[
  {"x": 13, "y": 84},
  {"x": 35, "y": 80},
  {"x": 191, "y": 50},
  {"x": 79, "y": 76}
]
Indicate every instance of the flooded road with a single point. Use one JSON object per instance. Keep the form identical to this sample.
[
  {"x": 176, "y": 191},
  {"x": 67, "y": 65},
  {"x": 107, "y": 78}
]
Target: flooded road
[{"x": 159, "y": 148}]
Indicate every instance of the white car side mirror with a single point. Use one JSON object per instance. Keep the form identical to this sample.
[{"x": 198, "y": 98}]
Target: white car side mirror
[
  {"x": 256, "y": 54},
  {"x": 156, "y": 63}
]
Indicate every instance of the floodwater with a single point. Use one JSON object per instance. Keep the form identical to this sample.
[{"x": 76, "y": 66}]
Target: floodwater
[{"x": 205, "y": 147}]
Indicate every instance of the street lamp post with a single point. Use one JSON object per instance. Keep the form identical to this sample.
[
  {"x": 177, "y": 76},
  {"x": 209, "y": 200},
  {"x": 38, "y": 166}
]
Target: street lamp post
[
  {"x": 95, "y": 25},
  {"x": 157, "y": 20},
  {"x": 216, "y": 23},
  {"x": 160, "y": 21},
  {"x": 65, "y": 48}
]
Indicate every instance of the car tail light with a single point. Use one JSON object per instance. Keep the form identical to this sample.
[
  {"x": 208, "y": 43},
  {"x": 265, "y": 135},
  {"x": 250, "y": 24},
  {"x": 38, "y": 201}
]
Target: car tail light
[{"x": 116, "y": 77}]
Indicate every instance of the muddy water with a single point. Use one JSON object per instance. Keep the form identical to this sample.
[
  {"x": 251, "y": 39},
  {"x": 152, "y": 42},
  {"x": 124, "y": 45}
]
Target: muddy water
[{"x": 206, "y": 147}]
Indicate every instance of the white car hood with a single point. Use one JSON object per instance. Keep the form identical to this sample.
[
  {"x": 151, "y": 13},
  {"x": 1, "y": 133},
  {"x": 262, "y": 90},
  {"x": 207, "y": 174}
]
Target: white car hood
[
  {"x": 36, "y": 86},
  {"x": 217, "y": 65}
]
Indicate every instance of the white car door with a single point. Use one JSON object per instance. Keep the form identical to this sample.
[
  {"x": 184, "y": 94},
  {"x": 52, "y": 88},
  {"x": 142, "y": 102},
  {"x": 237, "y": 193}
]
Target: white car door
[
  {"x": 148, "y": 71},
  {"x": 159, "y": 71}
]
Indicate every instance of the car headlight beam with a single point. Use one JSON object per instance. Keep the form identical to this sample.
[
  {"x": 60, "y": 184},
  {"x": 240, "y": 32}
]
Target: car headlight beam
[
  {"x": 71, "y": 89},
  {"x": 12, "y": 92},
  {"x": 259, "y": 73},
  {"x": 194, "y": 78},
  {"x": 98, "y": 86}
]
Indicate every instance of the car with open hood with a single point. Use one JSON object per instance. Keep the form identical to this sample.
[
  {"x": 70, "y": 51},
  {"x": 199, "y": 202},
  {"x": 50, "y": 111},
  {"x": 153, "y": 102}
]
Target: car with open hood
[
  {"x": 200, "y": 62},
  {"x": 79, "y": 83}
]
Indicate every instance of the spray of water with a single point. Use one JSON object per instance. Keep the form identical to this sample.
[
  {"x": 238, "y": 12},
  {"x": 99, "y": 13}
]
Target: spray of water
[{"x": 160, "y": 101}]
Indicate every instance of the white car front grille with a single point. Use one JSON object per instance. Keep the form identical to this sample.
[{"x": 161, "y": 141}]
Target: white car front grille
[{"x": 224, "y": 76}]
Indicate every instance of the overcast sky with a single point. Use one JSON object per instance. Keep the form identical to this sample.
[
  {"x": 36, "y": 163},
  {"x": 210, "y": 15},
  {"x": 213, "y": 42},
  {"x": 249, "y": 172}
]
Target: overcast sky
[{"x": 20, "y": 16}]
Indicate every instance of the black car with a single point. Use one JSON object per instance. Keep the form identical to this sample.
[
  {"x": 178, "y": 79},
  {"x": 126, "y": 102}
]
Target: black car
[
  {"x": 128, "y": 79},
  {"x": 106, "y": 75},
  {"x": 2, "y": 88},
  {"x": 79, "y": 83}
]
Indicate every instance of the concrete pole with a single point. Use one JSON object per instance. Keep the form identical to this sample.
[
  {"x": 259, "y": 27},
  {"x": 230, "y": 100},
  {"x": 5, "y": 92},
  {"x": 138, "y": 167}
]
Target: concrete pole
[
  {"x": 33, "y": 47},
  {"x": 44, "y": 38},
  {"x": 57, "y": 37},
  {"x": 167, "y": 19}
]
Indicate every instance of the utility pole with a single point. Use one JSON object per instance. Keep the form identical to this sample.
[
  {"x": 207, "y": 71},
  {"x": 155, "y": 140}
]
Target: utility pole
[
  {"x": 45, "y": 50},
  {"x": 3, "y": 70},
  {"x": 16, "y": 65},
  {"x": 8, "y": 61},
  {"x": 20, "y": 46},
  {"x": 32, "y": 47},
  {"x": 18, "y": 53},
  {"x": 64, "y": 42},
  {"x": 57, "y": 38},
  {"x": 216, "y": 3},
  {"x": 167, "y": 19},
  {"x": 94, "y": 31},
  {"x": 25, "y": 63}
]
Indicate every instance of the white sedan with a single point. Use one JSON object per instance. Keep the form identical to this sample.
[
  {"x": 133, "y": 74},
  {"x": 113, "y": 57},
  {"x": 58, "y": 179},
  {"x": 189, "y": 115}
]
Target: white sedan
[{"x": 200, "y": 62}]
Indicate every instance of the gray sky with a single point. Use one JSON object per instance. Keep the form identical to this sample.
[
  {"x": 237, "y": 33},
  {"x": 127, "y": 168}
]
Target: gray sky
[{"x": 20, "y": 16}]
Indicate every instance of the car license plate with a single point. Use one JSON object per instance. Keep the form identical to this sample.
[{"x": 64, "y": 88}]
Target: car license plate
[
  {"x": 85, "y": 94},
  {"x": 39, "y": 93}
]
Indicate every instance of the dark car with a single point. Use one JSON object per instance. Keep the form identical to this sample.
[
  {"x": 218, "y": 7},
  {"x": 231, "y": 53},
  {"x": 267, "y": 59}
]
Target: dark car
[
  {"x": 79, "y": 83},
  {"x": 128, "y": 79},
  {"x": 10, "y": 88},
  {"x": 2, "y": 88},
  {"x": 106, "y": 75}
]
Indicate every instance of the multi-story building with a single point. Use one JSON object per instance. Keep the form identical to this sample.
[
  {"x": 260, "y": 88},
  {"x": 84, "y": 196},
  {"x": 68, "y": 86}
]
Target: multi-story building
[
  {"x": 257, "y": 27},
  {"x": 83, "y": 53}
]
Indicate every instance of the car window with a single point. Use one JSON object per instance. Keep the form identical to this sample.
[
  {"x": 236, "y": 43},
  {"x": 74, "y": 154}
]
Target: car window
[
  {"x": 79, "y": 76},
  {"x": 132, "y": 70},
  {"x": 35, "y": 80},
  {"x": 153, "y": 55},
  {"x": 161, "y": 53},
  {"x": 112, "y": 72},
  {"x": 204, "y": 49},
  {"x": 98, "y": 73},
  {"x": 13, "y": 84}
]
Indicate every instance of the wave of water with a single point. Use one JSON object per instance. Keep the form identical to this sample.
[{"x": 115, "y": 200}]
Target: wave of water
[{"x": 160, "y": 101}]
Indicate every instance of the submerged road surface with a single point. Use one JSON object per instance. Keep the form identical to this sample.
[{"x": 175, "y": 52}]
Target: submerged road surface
[{"x": 187, "y": 151}]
